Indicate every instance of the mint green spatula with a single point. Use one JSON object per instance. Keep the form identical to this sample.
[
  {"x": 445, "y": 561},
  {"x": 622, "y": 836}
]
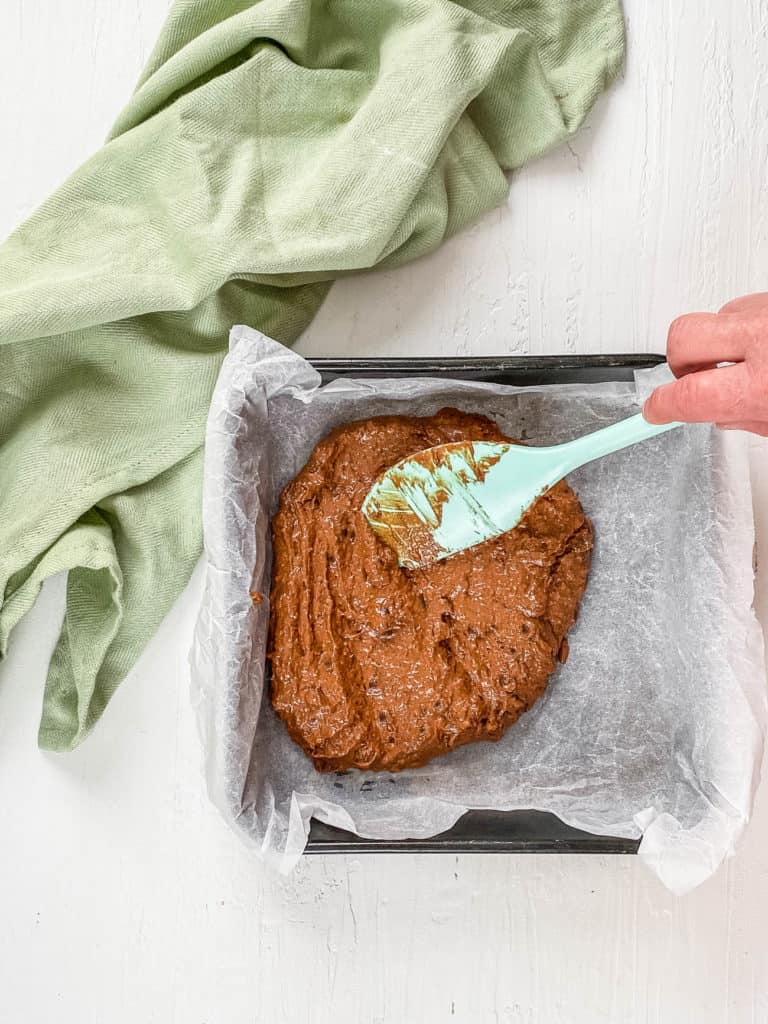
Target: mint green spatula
[{"x": 445, "y": 499}]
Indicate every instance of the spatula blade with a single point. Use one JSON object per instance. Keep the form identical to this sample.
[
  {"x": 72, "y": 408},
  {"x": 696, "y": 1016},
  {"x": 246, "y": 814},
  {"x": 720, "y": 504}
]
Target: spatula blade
[{"x": 445, "y": 499}]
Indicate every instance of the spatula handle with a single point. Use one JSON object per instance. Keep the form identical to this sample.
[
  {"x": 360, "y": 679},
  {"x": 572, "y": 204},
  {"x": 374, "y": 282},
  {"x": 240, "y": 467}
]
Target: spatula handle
[{"x": 609, "y": 439}]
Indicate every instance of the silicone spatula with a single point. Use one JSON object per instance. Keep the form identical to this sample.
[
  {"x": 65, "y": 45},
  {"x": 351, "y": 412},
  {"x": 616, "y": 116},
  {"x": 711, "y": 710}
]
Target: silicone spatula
[{"x": 443, "y": 500}]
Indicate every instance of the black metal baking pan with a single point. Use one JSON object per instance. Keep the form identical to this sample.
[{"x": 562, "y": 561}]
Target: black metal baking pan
[{"x": 487, "y": 831}]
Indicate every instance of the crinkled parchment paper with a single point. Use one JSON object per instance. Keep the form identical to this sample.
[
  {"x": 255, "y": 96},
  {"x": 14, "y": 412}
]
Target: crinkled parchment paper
[{"x": 654, "y": 726}]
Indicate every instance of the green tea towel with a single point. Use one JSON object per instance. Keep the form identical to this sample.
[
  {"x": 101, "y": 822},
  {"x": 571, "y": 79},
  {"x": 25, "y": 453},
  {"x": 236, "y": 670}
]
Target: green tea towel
[{"x": 270, "y": 147}]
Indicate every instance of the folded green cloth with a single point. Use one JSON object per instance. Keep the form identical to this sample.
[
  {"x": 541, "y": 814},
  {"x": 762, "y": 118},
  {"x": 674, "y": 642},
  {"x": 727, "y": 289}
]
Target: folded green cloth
[{"x": 270, "y": 147}]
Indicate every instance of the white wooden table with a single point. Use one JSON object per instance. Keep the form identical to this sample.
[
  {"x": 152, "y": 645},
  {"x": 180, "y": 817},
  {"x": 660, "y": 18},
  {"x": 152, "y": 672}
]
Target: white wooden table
[{"x": 123, "y": 897}]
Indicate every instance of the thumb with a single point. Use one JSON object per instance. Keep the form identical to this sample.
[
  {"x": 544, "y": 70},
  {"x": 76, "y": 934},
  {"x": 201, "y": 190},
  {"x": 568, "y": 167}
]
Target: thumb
[{"x": 709, "y": 396}]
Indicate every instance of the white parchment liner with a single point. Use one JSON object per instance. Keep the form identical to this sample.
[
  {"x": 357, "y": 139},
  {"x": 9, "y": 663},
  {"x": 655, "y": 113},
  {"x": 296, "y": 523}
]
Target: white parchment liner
[{"x": 655, "y": 725}]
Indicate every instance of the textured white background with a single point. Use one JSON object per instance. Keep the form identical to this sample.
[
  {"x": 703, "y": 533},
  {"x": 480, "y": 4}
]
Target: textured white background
[{"x": 123, "y": 898}]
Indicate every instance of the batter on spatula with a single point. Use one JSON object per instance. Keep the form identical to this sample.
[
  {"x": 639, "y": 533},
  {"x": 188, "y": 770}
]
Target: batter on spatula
[{"x": 384, "y": 668}]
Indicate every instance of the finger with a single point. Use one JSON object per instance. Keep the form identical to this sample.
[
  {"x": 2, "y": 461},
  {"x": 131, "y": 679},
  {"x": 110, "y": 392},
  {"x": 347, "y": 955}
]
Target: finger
[
  {"x": 698, "y": 341},
  {"x": 751, "y": 426},
  {"x": 747, "y": 303},
  {"x": 724, "y": 395}
]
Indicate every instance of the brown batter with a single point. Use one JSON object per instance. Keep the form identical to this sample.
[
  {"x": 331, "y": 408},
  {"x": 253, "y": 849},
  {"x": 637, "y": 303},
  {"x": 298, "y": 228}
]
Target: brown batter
[{"x": 383, "y": 668}]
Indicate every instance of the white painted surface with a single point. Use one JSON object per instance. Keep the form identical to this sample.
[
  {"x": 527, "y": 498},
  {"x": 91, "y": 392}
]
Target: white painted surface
[{"x": 123, "y": 898}]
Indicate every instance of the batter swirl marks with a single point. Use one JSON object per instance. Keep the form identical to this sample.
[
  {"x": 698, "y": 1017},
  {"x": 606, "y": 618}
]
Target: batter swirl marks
[{"x": 384, "y": 668}]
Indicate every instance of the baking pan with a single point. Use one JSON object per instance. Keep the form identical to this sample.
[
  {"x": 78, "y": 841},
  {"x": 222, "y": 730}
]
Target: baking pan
[{"x": 487, "y": 831}]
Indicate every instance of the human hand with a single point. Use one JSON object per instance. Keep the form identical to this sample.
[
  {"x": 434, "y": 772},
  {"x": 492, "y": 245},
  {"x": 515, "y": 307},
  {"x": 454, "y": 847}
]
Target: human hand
[{"x": 735, "y": 397}]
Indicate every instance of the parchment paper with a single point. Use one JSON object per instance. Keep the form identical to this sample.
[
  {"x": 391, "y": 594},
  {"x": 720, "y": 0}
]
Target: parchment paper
[{"x": 654, "y": 726}]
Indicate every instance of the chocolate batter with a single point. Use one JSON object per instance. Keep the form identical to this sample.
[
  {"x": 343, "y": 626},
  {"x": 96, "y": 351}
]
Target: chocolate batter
[{"x": 383, "y": 668}]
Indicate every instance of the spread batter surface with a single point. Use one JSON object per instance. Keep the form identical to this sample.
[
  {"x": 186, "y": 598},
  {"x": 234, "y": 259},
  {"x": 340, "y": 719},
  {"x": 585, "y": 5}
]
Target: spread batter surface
[{"x": 378, "y": 667}]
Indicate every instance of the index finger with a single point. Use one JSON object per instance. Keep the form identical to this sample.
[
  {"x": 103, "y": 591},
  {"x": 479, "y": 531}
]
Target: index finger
[
  {"x": 709, "y": 396},
  {"x": 697, "y": 341},
  {"x": 747, "y": 303}
]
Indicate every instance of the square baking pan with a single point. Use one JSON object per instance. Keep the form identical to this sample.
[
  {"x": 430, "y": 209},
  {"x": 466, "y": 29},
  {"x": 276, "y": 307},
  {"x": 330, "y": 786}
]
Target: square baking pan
[{"x": 487, "y": 831}]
